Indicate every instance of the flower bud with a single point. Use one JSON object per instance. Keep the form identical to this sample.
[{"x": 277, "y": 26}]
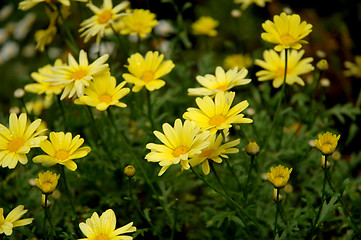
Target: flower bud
[
  {"x": 48, "y": 203},
  {"x": 280, "y": 197},
  {"x": 19, "y": 93},
  {"x": 129, "y": 171},
  {"x": 328, "y": 164},
  {"x": 252, "y": 148},
  {"x": 322, "y": 64}
]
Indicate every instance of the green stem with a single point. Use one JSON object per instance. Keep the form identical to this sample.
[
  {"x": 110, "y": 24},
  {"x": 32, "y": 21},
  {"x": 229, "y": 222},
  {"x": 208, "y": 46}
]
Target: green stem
[
  {"x": 217, "y": 177},
  {"x": 358, "y": 101},
  {"x": 313, "y": 99},
  {"x": 276, "y": 217},
  {"x": 150, "y": 110},
  {"x": 71, "y": 41},
  {"x": 175, "y": 219},
  {"x": 45, "y": 216},
  {"x": 247, "y": 182},
  {"x": 124, "y": 49},
  {"x": 67, "y": 190},
  {"x": 26, "y": 110},
  {"x": 62, "y": 112}
]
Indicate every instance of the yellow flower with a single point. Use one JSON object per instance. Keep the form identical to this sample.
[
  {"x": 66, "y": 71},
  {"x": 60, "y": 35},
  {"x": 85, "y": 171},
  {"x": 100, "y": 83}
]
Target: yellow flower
[
  {"x": 41, "y": 86},
  {"x": 205, "y": 26},
  {"x": 252, "y": 148},
  {"x": 102, "y": 20},
  {"x": 27, "y": 4},
  {"x": 327, "y": 143},
  {"x": 214, "y": 152},
  {"x": 17, "y": 140},
  {"x": 139, "y": 21},
  {"x": 47, "y": 182},
  {"x": 76, "y": 76},
  {"x": 274, "y": 67},
  {"x": 246, "y": 3},
  {"x": 103, "y": 92},
  {"x": 12, "y": 220},
  {"x": 237, "y": 60},
  {"x": 181, "y": 143},
  {"x": 103, "y": 227},
  {"x": 147, "y": 71},
  {"x": 37, "y": 106},
  {"x": 279, "y": 176},
  {"x": 45, "y": 37},
  {"x": 287, "y": 31},
  {"x": 353, "y": 69},
  {"x": 221, "y": 81},
  {"x": 62, "y": 149},
  {"x": 217, "y": 114}
]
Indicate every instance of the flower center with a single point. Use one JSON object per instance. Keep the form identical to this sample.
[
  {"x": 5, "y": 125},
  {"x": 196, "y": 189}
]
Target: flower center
[
  {"x": 61, "y": 155},
  {"x": 279, "y": 180},
  {"x": 15, "y": 144},
  {"x": 217, "y": 120},
  {"x": 102, "y": 237},
  {"x": 222, "y": 87},
  {"x": 147, "y": 76},
  {"x": 286, "y": 39},
  {"x": 105, "y": 98},
  {"x": 79, "y": 74},
  {"x": 47, "y": 186},
  {"x": 105, "y": 17},
  {"x": 206, "y": 153},
  {"x": 180, "y": 151}
]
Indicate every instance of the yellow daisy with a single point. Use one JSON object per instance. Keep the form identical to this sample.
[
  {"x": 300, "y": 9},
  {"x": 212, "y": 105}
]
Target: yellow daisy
[
  {"x": 103, "y": 92},
  {"x": 17, "y": 140},
  {"x": 179, "y": 144},
  {"x": 274, "y": 67},
  {"x": 27, "y": 4},
  {"x": 287, "y": 31},
  {"x": 279, "y": 176},
  {"x": 139, "y": 21},
  {"x": 103, "y": 227},
  {"x": 246, "y": 3},
  {"x": 353, "y": 69},
  {"x": 62, "y": 149},
  {"x": 221, "y": 81},
  {"x": 214, "y": 152},
  {"x": 75, "y": 76},
  {"x": 205, "y": 26},
  {"x": 102, "y": 20},
  {"x": 12, "y": 220},
  {"x": 217, "y": 114},
  {"x": 147, "y": 71},
  {"x": 327, "y": 143},
  {"x": 237, "y": 60},
  {"x": 47, "y": 182},
  {"x": 45, "y": 37},
  {"x": 45, "y": 87}
]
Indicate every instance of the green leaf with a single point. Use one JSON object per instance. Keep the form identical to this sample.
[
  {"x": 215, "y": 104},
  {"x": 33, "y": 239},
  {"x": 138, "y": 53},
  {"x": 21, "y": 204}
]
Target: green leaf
[
  {"x": 327, "y": 209},
  {"x": 348, "y": 110}
]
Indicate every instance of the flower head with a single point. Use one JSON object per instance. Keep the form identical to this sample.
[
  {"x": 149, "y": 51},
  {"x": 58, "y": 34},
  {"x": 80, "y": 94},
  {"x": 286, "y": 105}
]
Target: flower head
[
  {"x": 214, "y": 152},
  {"x": 12, "y": 220},
  {"x": 62, "y": 149},
  {"x": 274, "y": 67},
  {"x": 27, "y": 4},
  {"x": 287, "y": 31},
  {"x": 103, "y": 227},
  {"x": 45, "y": 37},
  {"x": 221, "y": 81},
  {"x": 147, "y": 71},
  {"x": 327, "y": 143},
  {"x": 103, "y": 92},
  {"x": 205, "y": 26},
  {"x": 17, "y": 140},
  {"x": 180, "y": 143},
  {"x": 279, "y": 176},
  {"x": 237, "y": 60},
  {"x": 246, "y": 3},
  {"x": 353, "y": 69},
  {"x": 47, "y": 182},
  {"x": 217, "y": 114},
  {"x": 139, "y": 21},
  {"x": 102, "y": 20},
  {"x": 76, "y": 76}
]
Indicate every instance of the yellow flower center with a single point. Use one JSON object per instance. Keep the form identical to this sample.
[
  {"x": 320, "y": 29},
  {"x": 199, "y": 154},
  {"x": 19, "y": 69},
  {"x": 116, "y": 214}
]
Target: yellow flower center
[
  {"x": 61, "y": 155},
  {"x": 147, "y": 76},
  {"x": 15, "y": 144},
  {"x": 279, "y": 181},
  {"x": 79, "y": 74},
  {"x": 105, "y": 17},
  {"x": 180, "y": 151},
  {"x": 222, "y": 87},
  {"x": 102, "y": 237},
  {"x": 105, "y": 98},
  {"x": 217, "y": 120},
  {"x": 47, "y": 186},
  {"x": 206, "y": 153},
  {"x": 286, "y": 39},
  {"x": 281, "y": 71}
]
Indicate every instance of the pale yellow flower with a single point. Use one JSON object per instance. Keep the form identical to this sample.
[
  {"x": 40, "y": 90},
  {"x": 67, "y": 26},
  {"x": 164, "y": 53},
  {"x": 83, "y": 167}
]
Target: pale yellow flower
[
  {"x": 139, "y": 21},
  {"x": 274, "y": 67},
  {"x": 27, "y": 4},
  {"x": 246, "y": 3},
  {"x": 237, "y": 60},
  {"x": 205, "y": 26},
  {"x": 279, "y": 176},
  {"x": 103, "y": 227},
  {"x": 47, "y": 182},
  {"x": 12, "y": 220},
  {"x": 179, "y": 144},
  {"x": 220, "y": 82},
  {"x": 287, "y": 31},
  {"x": 327, "y": 143},
  {"x": 45, "y": 37},
  {"x": 353, "y": 68}
]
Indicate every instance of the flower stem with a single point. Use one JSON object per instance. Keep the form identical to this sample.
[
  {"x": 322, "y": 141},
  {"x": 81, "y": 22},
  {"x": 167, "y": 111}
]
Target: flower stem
[
  {"x": 150, "y": 110},
  {"x": 276, "y": 217},
  {"x": 124, "y": 49},
  {"x": 245, "y": 193},
  {"x": 70, "y": 41},
  {"x": 67, "y": 190},
  {"x": 218, "y": 179},
  {"x": 62, "y": 112},
  {"x": 45, "y": 216}
]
